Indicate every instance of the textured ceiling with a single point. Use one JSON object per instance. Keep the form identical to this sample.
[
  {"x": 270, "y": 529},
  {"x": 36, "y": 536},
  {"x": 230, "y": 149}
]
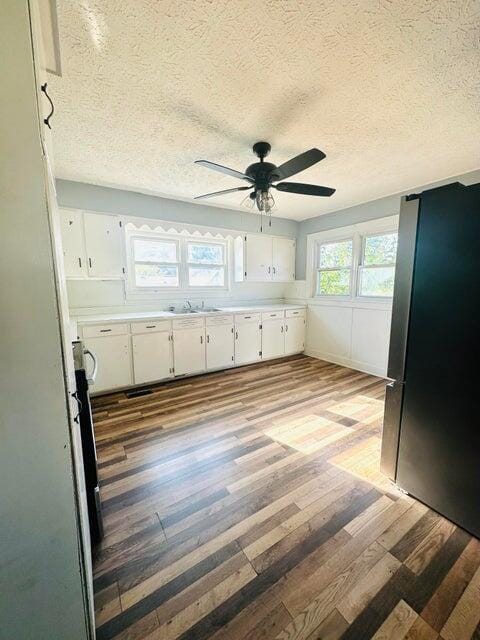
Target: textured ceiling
[{"x": 388, "y": 89}]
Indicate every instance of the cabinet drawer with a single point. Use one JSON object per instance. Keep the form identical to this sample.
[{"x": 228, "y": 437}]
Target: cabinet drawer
[
  {"x": 270, "y": 315},
  {"x": 240, "y": 318},
  {"x": 150, "y": 327},
  {"x": 99, "y": 330},
  {"x": 295, "y": 313},
  {"x": 213, "y": 321},
  {"x": 188, "y": 323}
]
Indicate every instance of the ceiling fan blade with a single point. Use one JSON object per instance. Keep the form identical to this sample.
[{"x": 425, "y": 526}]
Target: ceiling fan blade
[
  {"x": 222, "y": 169},
  {"x": 305, "y": 189},
  {"x": 222, "y": 193},
  {"x": 297, "y": 164}
]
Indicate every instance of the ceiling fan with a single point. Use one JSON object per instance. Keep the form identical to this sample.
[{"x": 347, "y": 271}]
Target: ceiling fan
[{"x": 261, "y": 177}]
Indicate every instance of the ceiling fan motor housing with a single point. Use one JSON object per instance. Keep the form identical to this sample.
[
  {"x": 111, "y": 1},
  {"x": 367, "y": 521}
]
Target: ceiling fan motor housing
[{"x": 261, "y": 173}]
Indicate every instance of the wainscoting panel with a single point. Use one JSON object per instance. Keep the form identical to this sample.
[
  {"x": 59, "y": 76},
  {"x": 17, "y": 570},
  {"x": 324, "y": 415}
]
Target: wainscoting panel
[{"x": 356, "y": 337}]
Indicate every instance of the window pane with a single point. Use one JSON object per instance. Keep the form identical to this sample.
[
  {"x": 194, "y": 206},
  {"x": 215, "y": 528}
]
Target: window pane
[
  {"x": 155, "y": 250},
  {"x": 336, "y": 254},
  {"x": 205, "y": 277},
  {"x": 377, "y": 281},
  {"x": 152, "y": 275},
  {"x": 334, "y": 283},
  {"x": 380, "y": 249},
  {"x": 205, "y": 253}
]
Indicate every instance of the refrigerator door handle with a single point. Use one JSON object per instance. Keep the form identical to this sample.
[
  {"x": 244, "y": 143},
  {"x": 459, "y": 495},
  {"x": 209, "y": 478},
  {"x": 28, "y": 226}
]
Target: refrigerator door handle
[{"x": 402, "y": 292}]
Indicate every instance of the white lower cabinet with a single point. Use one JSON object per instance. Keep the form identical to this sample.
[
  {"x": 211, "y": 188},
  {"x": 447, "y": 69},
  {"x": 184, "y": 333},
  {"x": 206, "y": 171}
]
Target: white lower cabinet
[
  {"x": 273, "y": 338},
  {"x": 112, "y": 353},
  {"x": 220, "y": 346},
  {"x": 294, "y": 334},
  {"x": 189, "y": 350},
  {"x": 152, "y": 357},
  {"x": 248, "y": 342},
  {"x": 150, "y": 351}
]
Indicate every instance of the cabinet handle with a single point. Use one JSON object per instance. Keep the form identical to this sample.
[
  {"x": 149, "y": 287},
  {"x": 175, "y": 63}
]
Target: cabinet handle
[
  {"x": 274, "y": 270},
  {"x": 236, "y": 335},
  {"x": 80, "y": 263},
  {"x": 286, "y": 328},
  {"x": 150, "y": 326},
  {"x": 105, "y": 330},
  {"x": 247, "y": 317},
  {"x": 281, "y": 329},
  {"x": 201, "y": 339},
  {"x": 90, "y": 262},
  {"x": 47, "y": 119},
  {"x": 208, "y": 338},
  {"x": 269, "y": 269}
]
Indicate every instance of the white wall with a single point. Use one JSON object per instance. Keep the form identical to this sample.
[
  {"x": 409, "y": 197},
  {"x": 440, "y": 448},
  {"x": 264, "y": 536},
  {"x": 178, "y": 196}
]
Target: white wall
[
  {"x": 354, "y": 332},
  {"x": 108, "y": 296},
  {"x": 41, "y": 588}
]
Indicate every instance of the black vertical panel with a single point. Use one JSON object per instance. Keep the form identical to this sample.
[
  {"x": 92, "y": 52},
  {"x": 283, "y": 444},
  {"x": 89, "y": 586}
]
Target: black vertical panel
[{"x": 439, "y": 451}]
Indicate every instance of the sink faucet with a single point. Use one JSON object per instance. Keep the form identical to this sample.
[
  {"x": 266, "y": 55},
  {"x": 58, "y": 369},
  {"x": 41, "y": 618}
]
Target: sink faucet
[{"x": 188, "y": 305}]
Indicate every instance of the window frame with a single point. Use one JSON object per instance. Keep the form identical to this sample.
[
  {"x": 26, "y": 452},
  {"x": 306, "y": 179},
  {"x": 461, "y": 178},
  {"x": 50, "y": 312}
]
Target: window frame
[
  {"x": 135, "y": 291},
  {"x": 134, "y": 262},
  {"x": 362, "y": 266},
  {"x": 358, "y": 231},
  {"x": 203, "y": 265},
  {"x": 318, "y": 269}
]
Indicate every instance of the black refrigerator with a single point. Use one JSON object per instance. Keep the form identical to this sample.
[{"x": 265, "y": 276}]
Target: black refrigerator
[{"x": 431, "y": 433}]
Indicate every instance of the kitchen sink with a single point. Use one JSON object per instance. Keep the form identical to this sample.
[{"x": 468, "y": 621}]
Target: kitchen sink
[{"x": 205, "y": 310}]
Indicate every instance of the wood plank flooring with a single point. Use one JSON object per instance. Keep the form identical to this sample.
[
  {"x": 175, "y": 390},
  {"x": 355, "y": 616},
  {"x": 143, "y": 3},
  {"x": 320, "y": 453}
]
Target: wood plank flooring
[{"x": 248, "y": 504}]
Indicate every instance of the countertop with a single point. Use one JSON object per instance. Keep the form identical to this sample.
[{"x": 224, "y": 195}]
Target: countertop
[{"x": 169, "y": 315}]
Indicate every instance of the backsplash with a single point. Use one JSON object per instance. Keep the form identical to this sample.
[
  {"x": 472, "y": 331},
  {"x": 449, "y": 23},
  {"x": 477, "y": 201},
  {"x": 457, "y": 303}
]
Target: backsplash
[{"x": 87, "y": 297}]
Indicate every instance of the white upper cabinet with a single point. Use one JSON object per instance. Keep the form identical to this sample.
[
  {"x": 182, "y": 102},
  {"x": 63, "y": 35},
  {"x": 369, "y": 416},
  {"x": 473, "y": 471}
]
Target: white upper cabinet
[
  {"x": 93, "y": 245},
  {"x": 258, "y": 258},
  {"x": 283, "y": 260},
  {"x": 269, "y": 259},
  {"x": 73, "y": 243},
  {"x": 104, "y": 244}
]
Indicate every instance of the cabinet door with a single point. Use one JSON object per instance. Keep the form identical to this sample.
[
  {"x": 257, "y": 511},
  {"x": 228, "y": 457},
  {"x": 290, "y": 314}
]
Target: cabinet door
[
  {"x": 258, "y": 258},
  {"x": 73, "y": 244},
  {"x": 273, "y": 338},
  {"x": 283, "y": 261},
  {"x": 152, "y": 356},
  {"x": 104, "y": 245},
  {"x": 294, "y": 335},
  {"x": 220, "y": 346},
  {"x": 247, "y": 342},
  {"x": 114, "y": 362},
  {"x": 189, "y": 351}
]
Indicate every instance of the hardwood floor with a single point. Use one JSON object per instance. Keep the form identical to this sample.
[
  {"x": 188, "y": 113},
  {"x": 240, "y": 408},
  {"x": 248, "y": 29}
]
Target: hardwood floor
[{"x": 248, "y": 504}]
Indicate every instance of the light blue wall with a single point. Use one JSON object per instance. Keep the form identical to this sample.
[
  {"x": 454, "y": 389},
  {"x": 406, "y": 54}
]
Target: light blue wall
[
  {"x": 88, "y": 196},
  {"x": 361, "y": 213}
]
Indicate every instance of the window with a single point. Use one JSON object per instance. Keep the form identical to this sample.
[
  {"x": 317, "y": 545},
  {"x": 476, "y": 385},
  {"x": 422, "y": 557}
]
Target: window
[
  {"x": 334, "y": 268},
  {"x": 156, "y": 262},
  {"x": 206, "y": 264},
  {"x": 377, "y": 268},
  {"x": 162, "y": 262}
]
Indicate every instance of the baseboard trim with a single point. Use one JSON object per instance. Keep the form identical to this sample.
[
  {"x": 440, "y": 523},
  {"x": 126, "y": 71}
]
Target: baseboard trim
[{"x": 364, "y": 367}]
